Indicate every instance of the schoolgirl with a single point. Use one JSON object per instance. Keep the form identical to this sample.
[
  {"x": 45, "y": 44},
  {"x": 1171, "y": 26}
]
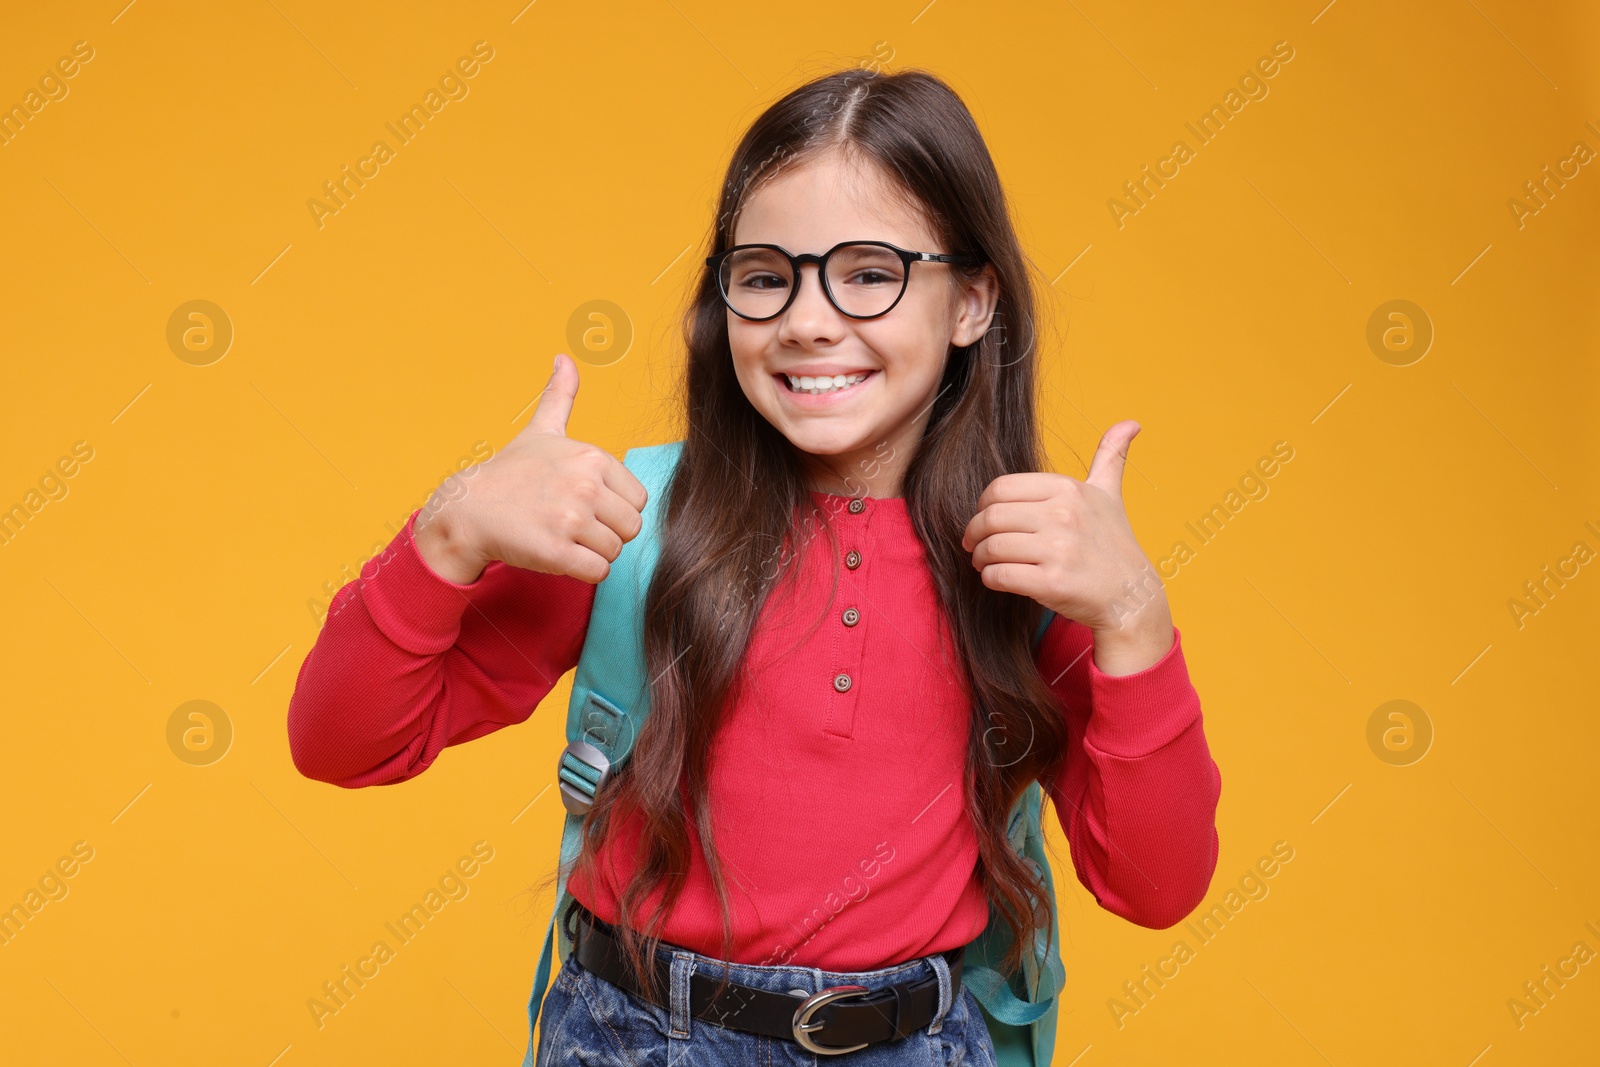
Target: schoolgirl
[{"x": 857, "y": 546}]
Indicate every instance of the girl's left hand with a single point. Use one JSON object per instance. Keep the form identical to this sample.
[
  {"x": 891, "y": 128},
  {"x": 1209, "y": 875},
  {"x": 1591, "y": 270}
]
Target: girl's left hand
[{"x": 1068, "y": 544}]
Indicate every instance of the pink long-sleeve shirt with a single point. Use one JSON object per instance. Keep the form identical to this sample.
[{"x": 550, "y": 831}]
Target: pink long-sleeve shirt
[{"x": 837, "y": 807}]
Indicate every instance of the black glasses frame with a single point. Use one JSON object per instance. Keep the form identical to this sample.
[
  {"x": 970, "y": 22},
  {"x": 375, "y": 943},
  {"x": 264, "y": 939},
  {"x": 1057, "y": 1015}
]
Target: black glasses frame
[{"x": 796, "y": 262}]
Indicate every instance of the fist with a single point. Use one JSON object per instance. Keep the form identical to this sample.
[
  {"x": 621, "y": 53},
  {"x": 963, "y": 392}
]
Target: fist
[
  {"x": 545, "y": 502},
  {"x": 1068, "y": 544}
]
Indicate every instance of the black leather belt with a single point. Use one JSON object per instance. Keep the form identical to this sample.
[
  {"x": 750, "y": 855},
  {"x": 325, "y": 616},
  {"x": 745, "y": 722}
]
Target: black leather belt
[{"x": 834, "y": 1020}]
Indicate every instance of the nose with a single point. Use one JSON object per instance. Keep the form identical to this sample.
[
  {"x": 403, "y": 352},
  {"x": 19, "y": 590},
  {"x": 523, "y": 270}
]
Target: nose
[{"x": 811, "y": 320}]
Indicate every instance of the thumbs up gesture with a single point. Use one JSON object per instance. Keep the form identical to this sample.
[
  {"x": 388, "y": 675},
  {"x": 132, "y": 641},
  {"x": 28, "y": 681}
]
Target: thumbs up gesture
[
  {"x": 1068, "y": 544},
  {"x": 545, "y": 502}
]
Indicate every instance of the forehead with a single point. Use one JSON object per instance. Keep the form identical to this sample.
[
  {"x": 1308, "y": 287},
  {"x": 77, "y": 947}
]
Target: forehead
[{"x": 834, "y": 197}]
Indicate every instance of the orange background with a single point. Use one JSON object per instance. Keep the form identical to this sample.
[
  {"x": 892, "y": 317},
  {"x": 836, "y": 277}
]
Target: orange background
[{"x": 189, "y": 556}]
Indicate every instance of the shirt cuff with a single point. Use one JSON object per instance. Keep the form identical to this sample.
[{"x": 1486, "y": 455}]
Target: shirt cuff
[
  {"x": 416, "y": 608},
  {"x": 1135, "y": 714}
]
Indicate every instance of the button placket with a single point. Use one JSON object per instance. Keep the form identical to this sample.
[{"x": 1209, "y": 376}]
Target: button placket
[{"x": 850, "y": 637}]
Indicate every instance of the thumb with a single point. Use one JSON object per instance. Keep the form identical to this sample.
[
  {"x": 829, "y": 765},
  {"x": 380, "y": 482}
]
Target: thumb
[
  {"x": 1105, "y": 470},
  {"x": 555, "y": 403}
]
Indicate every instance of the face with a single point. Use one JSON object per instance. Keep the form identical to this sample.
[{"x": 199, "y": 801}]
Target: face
[{"x": 859, "y": 438}]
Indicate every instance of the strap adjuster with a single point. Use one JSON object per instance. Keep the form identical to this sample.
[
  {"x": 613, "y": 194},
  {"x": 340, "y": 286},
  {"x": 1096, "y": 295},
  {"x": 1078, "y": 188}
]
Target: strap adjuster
[{"x": 580, "y": 770}]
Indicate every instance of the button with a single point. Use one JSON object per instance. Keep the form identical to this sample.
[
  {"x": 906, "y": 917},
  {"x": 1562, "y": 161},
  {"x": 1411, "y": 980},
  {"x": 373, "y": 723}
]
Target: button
[
  {"x": 857, "y": 505},
  {"x": 841, "y": 682},
  {"x": 851, "y": 616},
  {"x": 852, "y": 559}
]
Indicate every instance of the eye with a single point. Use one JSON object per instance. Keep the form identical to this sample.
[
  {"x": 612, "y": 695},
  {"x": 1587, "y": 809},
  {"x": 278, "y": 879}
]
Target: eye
[
  {"x": 863, "y": 267},
  {"x": 762, "y": 283}
]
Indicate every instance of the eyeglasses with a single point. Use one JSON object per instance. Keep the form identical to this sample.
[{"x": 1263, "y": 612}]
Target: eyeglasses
[{"x": 861, "y": 279}]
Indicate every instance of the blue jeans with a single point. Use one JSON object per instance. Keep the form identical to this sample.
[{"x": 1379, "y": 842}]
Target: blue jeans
[{"x": 586, "y": 1021}]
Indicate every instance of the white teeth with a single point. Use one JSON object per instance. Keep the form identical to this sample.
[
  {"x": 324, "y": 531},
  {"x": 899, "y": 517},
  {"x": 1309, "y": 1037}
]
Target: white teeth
[{"x": 818, "y": 386}]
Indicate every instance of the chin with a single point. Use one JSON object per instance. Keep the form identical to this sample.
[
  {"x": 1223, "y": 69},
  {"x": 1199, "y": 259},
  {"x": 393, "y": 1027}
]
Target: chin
[{"x": 825, "y": 440}]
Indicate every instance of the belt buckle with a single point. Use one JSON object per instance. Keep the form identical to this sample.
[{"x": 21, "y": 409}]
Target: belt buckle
[{"x": 803, "y": 1024}]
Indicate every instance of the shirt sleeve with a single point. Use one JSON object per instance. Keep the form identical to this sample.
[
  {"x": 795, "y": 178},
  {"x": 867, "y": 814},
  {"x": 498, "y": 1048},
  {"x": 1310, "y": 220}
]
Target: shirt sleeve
[
  {"x": 409, "y": 662},
  {"x": 1136, "y": 791}
]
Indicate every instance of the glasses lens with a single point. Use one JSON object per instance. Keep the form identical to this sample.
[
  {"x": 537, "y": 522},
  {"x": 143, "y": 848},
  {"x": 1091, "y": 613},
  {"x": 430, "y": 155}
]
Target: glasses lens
[
  {"x": 865, "y": 280},
  {"x": 756, "y": 281}
]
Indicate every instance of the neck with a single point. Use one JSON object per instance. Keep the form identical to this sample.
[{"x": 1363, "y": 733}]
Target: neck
[
  {"x": 876, "y": 470},
  {"x": 851, "y": 479}
]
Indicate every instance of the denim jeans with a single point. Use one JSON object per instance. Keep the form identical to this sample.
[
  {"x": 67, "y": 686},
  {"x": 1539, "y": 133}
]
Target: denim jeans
[{"x": 586, "y": 1021}]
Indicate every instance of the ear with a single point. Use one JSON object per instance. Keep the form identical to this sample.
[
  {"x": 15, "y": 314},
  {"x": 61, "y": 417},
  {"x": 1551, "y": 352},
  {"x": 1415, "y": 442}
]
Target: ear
[{"x": 976, "y": 299}]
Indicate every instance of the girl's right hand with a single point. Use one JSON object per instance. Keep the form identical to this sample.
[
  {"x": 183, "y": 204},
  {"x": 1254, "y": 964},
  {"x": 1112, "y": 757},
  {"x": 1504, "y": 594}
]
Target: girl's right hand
[{"x": 545, "y": 502}]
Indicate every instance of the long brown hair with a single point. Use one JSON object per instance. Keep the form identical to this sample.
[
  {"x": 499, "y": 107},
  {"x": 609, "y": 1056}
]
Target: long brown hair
[{"x": 730, "y": 526}]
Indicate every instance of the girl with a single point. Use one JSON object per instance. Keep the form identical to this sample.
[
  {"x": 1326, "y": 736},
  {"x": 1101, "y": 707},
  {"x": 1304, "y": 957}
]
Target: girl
[{"x": 856, "y": 549}]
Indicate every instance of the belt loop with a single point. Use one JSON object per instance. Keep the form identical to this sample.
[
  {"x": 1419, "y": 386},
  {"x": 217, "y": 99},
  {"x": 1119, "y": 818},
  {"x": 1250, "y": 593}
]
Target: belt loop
[
  {"x": 682, "y": 968},
  {"x": 942, "y": 968}
]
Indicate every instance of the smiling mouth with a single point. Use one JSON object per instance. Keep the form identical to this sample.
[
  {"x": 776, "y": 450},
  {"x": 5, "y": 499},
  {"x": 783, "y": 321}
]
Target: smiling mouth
[{"x": 823, "y": 386}]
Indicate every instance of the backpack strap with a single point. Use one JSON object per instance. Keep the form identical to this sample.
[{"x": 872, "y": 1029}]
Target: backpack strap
[
  {"x": 1044, "y": 624},
  {"x": 610, "y": 697},
  {"x": 1023, "y": 1027}
]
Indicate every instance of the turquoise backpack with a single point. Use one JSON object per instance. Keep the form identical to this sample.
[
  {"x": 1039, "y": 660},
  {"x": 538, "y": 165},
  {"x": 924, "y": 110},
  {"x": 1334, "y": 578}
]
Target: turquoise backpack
[{"x": 610, "y": 699}]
